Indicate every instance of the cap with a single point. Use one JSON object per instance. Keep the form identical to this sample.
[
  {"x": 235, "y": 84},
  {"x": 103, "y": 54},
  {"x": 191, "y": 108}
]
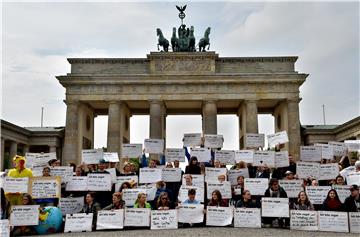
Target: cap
[
  {"x": 102, "y": 161},
  {"x": 288, "y": 172},
  {"x": 354, "y": 187}
]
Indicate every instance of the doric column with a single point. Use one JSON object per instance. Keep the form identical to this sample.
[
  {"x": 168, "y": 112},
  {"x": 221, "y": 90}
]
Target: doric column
[
  {"x": 52, "y": 148},
  {"x": 251, "y": 116},
  {"x": 72, "y": 151},
  {"x": 13, "y": 149},
  {"x": 209, "y": 117},
  {"x": 2, "y": 155},
  {"x": 294, "y": 127},
  {"x": 114, "y": 127},
  {"x": 157, "y": 122}
]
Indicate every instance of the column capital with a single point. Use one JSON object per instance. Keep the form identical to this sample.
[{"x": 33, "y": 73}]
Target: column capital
[
  {"x": 119, "y": 102},
  {"x": 296, "y": 100}
]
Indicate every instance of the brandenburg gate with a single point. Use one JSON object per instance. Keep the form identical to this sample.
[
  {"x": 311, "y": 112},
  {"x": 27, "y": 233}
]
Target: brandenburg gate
[{"x": 178, "y": 83}]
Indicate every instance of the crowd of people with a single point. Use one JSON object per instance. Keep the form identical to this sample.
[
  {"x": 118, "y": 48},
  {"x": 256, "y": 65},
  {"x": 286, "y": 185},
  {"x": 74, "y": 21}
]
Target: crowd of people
[{"x": 167, "y": 193}]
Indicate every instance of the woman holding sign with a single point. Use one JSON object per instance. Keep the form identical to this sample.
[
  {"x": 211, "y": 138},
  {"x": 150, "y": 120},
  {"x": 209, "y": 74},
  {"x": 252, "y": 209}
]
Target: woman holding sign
[
  {"x": 193, "y": 167},
  {"x": 141, "y": 201},
  {"x": 216, "y": 200},
  {"x": 163, "y": 202},
  {"x": 303, "y": 202},
  {"x": 332, "y": 202},
  {"x": 117, "y": 202},
  {"x": 24, "y": 230}
]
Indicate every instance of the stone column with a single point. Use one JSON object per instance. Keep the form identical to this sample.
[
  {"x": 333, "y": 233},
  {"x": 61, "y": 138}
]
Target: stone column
[
  {"x": 72, "y": 151},
  {"x": 209, "y": 117},
  {"x": 157, "y": 122},
  {"x": 2, "y": 155},
  {"x": 13, "y": 149},
  {"x": 52, "y": 149},
  {"x": 114, "y": 127},
  {"x": 294, "y": 128},
  {"x": 251, "y": 116}
]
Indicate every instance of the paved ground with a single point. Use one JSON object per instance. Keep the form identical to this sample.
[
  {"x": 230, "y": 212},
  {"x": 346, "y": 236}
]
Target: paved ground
[{"x": 207, "y": 231}]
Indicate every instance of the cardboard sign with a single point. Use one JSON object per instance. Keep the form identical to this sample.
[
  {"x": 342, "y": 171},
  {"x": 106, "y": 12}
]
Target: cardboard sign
[
  {"x": 91, "y": 156},
  {"x": 256, "y": 186},
  {"x": 197, "y": 180},
  {"x": 183, "y": 193},
  {"x": 71, "y": 205},
  {"x": 65, "y": 172},
  {"x": 164, "y": 220},
  {"x": 150, "y": 175},
  {"x": 224, "y": 188},
  {"x": 137, "y": 216},
  {"x": 264, "y": 158},
  {"x": 16, "y": 185},
  {"x": 154, "y": 146},
  {"x": 234, "y": 174},
  {"x": 274, "y": 207},
  {"x": 254, "y": 140},
  {"x": 192, "y": 139},
  {"x": 4, "y": 228},
  {"x": 110, "y": 220},
  {"x": 244, "y": 155},
  {"x": 219, "y": 216},
  {"x": 353, "y": 178},
  {"x": 191, "y": 213},
  {"x": 333, "y": 221},
  {"x": 354, "y": 222},
  {"x": 317, "y": 194},
  {"x": 343, "y": 191},
  {"x": 328, "y": 171},
  {"x": 171, "y": 175},
  {"x": 24, "y": 215},
  {"x": 213, "y": 141},
  {"x": 310, "y": 153},
  {"x": 45, "y": 187},
  {"x": 111, "y": 157},
  {"x": 327, "y": 151},
  {"x": 173, "y": 154},
  {"x": 277, "y": 138},
  {"x": 131, "y": 150},
  {"x": 80, "y": 222},
  {"x": 202, "y": 154},
  {"x": 77, "y": 183},
  {"x": 39, "y": 159},
  {"x": 292, "y": 187},
  {"x": 339, "y": 148},
  {"x": 225, "y": 156},
  {"x": 304, "y": 220},
  {"x": 306, "y": 170},
  {"x": 99, "y": 182},
  {"x": 212, "y": 174},
  {"x": 247, "y": 217}
]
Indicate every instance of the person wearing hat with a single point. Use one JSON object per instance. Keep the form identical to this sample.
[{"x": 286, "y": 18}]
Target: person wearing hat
[
  {"x": 289, "y": 175},
  {"x": 352, "y": 202}
]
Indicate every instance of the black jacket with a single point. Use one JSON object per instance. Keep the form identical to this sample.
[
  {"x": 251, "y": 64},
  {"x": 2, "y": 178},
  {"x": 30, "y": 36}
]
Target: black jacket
[
  {"x": 350, "y": 205},
  {"x": 282, "y": 194}
]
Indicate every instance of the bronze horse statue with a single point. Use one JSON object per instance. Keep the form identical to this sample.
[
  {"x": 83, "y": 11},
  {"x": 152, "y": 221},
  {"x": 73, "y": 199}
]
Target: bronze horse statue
[
  {"x": 162, "y": 41},
  {"x": 205, "y": 41},
  {"x": 192, "y": 40},
  {"x": 174, "y": 41}
]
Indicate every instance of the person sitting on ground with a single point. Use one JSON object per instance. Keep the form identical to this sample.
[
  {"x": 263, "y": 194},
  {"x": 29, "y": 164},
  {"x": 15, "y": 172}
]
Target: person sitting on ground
[
  {"x": 246, "y": 200},
  {"x": 141, "y": 201},
  {"x": 217, "y": 200},
  {"x": 117, "y": 202},
  {"x": 303, "y": 202},
  {"x": 352, "y": 202},
  {"x": 332, "y": 202},
  {"x": 91, "y": 206}
]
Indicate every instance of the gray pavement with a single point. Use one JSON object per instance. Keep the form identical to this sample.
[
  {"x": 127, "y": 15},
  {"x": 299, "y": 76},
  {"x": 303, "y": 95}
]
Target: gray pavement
[{"x": 207, "y": 231}]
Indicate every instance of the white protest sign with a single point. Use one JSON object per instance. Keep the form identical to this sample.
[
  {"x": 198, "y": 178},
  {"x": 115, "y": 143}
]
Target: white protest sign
[
  {"x": 354, "y": 222},
  {"x": 282, "y": 159},
  {"x": 333, "y": 221},
  {"x": 197, "y": 180},
  {"x": 173, "y": 154},
  {"x": 345, "y": 172},
  {"x": 154, "y": 146},
  {"x": 317, "y": 194},
  {"x": 4, "y": 228},
  {"x": 254, "y": 140},
  {"x": 112, "y": 172},
  {"x": 304, "y": 220},
  {"x": 213, "y": 141},
  {"x": 164, "y": 220},
  {"x": 277, "y": 138},
  {"x": 39, "y": 159},
  {"x": 339, "y": 148},
  {"x": 79, "y": 222},
  {"x": 202, "y": 154},
  {"x": 343, "y": 191},
  {"x": 310, "y": 153},
  {"x": 99, "y": 182},
  {"x": 183, "y": 193},
  {"x": 264, "y": 158},
  {"x": 327, "y": 151},
  {"x": 132, "y": 179},
  {"x": 256, "y": 186},
  {"x": 65, "y": 172},
  {"x": 225, "y": 157},
  {"x": 71, "y": 205},
  {"x": 45, "y": 187},
  {"x": 234, "y": 174},
  {"x": 353, "y": 178},
  {"x": 77, "y": 183},
  {"x": 131, "y": 150},
  {"x": 212, "y": 174},
  {"x": 110, "y": 220},
  {"x": 37, "y": 171},
  {"x": 150, "y": 175},
  {"x": 16, "y": 185},
  {"x": 192, "y": 139},
  {"x": 224, "y": 188},
  {"x": 353, "y": 145},
  {"x": 111, "y": 157},
  {"x": 137, "y": 216},
  {"x": 24, "y": 215},
  {"x": 274, "y": 207},
  {"x": 91, "y": 156},
  {"x": 329, "y": 171},
  {"x": 247, "y": 217},
  {"x": 306, "y": 170},
  {"x": 191, "y": 213},
  {"x": 219, "y": 216},
  {"x": 130, "y": 196},
  {"x": 244, "y": 155},
  {"x": 292, "y": 187},
  {"x": 171, "y": 175}
]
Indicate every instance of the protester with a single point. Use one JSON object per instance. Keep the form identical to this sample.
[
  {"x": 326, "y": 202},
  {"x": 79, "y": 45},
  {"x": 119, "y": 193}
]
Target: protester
[
  {"x": 127, "y": 170},
  {"x": 191, "y": 197},
  {"x": 54, "y": 162},
  {"x": 193, "y": 167},
  {"x": 188, "y": 180},
  {"x": 217, "y": 200},
  {"x": 79, "y": 171},
  {"x": 303, "y": 202},
  {"x": 289, "y": 175},
  {"x": 262, "y": 172},
  {"x": 5, "y": 206},
  {"x": 352, "y": 202},
  {"x": 91, "y": 207},
  {"x": 332, "y": 202},
  {"x": 117, "y": 202},
  {"x": 163, "y": 202},
  {"x": 339, "y": 180},
  {"x": 46, "y": 172},
  {"x": 141, "y": 201},
  {"x": 24, "y": 230},
  {"x": 246, "y": 200}
]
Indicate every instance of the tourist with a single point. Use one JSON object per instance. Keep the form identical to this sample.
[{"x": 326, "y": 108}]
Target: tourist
[
  {"x": 352, "y": 202},
  {"x": 246, "y": 200},
  {"x": 24, "y": 230},
  {"x": 163, "y": 202},
  {"x": 217, "y": 200},
  {"x": 117, "y": 202},
  {"x": 191, "y": 197},
  {"x": 332, "y": 202},
  {"x": 303, "y": 202},
  {"x": 46, "y": 172},
  {"x": 91, "y": 207},
  {"x": 193, "y": 167},
  {"x": 141, "y": 201}
]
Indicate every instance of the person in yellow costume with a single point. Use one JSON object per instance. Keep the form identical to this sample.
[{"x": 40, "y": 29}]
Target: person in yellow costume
[{"x": 18, "y": 172}]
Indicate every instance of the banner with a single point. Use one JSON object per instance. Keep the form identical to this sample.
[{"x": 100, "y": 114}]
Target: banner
[
  {"x": 292, "y": 187},
  {"x": 154, "y": 146},
  {"x": 224, "y": 188},
  {"x": 4, "y": 228},
  {"x": 225, "y": 156},
  {"x": 354, "y": 222},
  {"x": 274, "y": 207},
  {"x": 91, "y": 156},
  {"x": 328, "y": 171},
  {"x": 16, "y": 185},
  {"x": 111, "y": 157},
  {"x": 183, "y": 193},
  {"x": 173, "y": 154},
  {"x": 219, "y": 216},
  {"x": 244, "y": 155},
  {"x": 317, "y": 194},
  {"x": 327, "y": 151},
  {"x": 71, "y": 205},
  {"x": 24, "y": 215},
  {"x": 77, "y": 183},
  {"x": 65, "y": 172},
  {"x": 310, "y": 153},
  {"x": 234, "y": 174},
  {"x": 247, "y": 217},
  {"x": 110, "y": 220},
  {"x": 192, "y": 139},
  {"x": 212, "y": 174},
  {"x": 131, "y": 150},
  {"x": 171, "y": 175},
  {"x": 213, "y": 141},
  {"x": 304, "y": 220},
  {"x": 281, "y": 159},
  {"x": 198, "y": 180},
  {"x": 45, "y": 187},
  {"x": 202, "y": 154},
  {"x": 306, "y": 170},
  {"x": 254, "y": 140},
  {"x": 99, "y": 182},
  {"x": 132, "y": 179},
  {"x": 264, "y": 158},
  {"x": 191, "y": 213},
  {"x": 137, "y": 217},
  {"x": 277, "y": 138},
  {"x": 150, "y": 175},
  {"x": 80, "y": 222},
  {"x": 333, "y": 221},
  {"x": 164, "y": 220},
  {"x": 256, "y": 186}
]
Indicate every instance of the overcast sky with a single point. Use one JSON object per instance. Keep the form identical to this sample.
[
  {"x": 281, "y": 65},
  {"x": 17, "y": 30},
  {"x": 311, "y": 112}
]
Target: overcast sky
[{"x": 38, "y": 37}]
